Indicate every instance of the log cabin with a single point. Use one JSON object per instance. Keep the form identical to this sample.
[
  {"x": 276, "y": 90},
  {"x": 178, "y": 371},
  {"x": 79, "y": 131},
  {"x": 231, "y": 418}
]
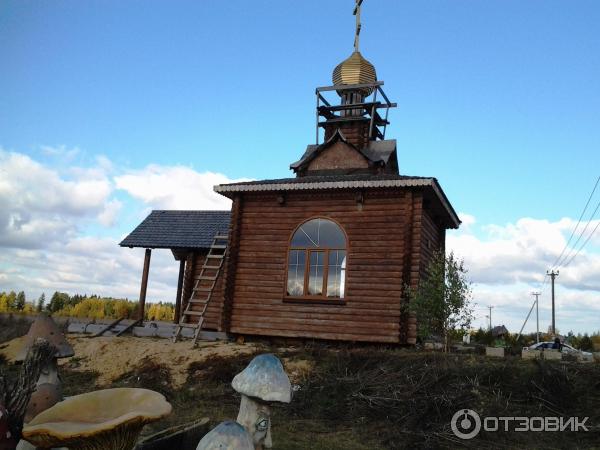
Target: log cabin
[{"x": 325, "y": 254}]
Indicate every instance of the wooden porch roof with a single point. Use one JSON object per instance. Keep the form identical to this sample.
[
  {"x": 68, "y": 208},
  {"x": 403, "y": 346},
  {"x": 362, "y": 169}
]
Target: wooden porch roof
[{"x": 178, "y": 229}]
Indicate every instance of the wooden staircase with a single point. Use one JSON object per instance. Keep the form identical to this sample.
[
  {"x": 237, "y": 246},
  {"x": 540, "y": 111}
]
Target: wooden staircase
[{"x": 204, "y": 286}]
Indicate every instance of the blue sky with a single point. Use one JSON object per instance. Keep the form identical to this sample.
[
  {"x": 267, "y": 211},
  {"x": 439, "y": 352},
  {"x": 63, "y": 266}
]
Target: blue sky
[{"x": 499, "y": 100}]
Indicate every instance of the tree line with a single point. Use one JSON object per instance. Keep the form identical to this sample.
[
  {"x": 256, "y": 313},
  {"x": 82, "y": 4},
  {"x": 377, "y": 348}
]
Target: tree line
[
  {"x": 585, "y": 342},
  {"x": 83, "y": 306}
]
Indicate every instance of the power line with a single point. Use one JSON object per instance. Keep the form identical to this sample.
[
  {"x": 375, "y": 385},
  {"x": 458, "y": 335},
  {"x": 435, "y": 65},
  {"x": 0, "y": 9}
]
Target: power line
[
  {"x": 581, "y": 235},
  {"x": 542, "y": 284},
  {"x": 578, "y": 222},
  {"x": 586, "y": 241},
  {"x": 562, "y": 257}
]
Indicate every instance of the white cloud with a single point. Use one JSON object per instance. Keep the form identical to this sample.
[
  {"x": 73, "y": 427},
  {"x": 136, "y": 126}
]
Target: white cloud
[
  {"x": 40, "y": 205},
  {"x": 175, "y": 187},
  {"x": 109, "y": 215},
  {"x": 26, "y": 184},
  {"x": 60, "y": 151},
  {"x": 89, "y": 265},
  {"x": 507, "y": 262},
  {"x": 104, "y": 163},
  {"x": 46, "y": 210},
  {"x": 22, "y": 231},
  {"x": 467, "y": 220}
]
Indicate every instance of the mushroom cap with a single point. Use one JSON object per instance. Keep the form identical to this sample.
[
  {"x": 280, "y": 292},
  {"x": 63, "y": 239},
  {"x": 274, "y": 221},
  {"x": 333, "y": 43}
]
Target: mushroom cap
[
  {"x": 265, "y": 379},
  {"x": 228, "y": 435},
  {"x": 45, "y": 396},
  {"x": 44, "y": 327},
  {"x": 95, "y": 413}
]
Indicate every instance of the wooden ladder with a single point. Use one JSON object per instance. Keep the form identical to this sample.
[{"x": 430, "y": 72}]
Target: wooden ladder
[{"x": 203, "y": 288}]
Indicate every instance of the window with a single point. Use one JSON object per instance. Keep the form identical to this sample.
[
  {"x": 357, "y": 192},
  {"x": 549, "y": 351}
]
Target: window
[{"x": 317, "y": 261}]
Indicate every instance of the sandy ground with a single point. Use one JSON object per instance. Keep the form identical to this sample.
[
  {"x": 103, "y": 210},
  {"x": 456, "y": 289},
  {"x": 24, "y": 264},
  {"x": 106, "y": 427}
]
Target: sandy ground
[
  {"x": 10, "y": 349},
  {"x": 111, "y": 357}
]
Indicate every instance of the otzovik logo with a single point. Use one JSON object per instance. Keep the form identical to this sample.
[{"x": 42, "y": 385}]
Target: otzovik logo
[{"x": 466, "y": 424}]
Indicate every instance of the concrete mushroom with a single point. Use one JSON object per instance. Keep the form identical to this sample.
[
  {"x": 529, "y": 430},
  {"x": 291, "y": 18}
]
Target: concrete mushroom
[
  {"x": 228, "y": 435},
  {"x": 45, "y": 396},
  {"x": 45, "y": 328},
  {"x": 262, "y": 382},
  {"x": 109, "y": 419}
]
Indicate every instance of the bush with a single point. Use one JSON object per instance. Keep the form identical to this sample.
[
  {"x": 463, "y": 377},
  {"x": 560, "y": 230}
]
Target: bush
[{"x": 442, "y": 300}]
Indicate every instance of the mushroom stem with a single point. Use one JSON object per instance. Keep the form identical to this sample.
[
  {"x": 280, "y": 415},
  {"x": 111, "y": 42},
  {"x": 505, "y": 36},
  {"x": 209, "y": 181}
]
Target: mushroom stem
[
  {"x": 255, "y": 417},
  {"x": 48, "y": 390},
  {"x": 49, "y": 373},
  {"x": 16, "y": 396}
]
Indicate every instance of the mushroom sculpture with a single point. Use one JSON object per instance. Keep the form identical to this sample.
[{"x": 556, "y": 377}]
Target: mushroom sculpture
[
  {"x": 228, "y": 435},
  {"x": 48, "y": 387},
  {"x": 264, "y": 381},
  {"x": 45, "y": 396},
  {"x": 109, "y": 419}
]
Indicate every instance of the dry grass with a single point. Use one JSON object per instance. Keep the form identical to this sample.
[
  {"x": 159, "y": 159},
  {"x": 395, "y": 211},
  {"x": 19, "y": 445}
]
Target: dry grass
[
  {"x": 358, "y": 398},
  {"x": 407, "y": 399}
]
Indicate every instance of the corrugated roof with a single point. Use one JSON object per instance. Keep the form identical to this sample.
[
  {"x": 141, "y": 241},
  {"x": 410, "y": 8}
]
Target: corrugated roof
[
  {"x": 326, "y": 182},
  {"x": 311, "y": 179},
  {"x": 178, "y": 229}
]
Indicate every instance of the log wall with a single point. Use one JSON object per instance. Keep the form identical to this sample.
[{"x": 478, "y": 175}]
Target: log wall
[
  {"x": 391, "y": 239},
  {"x": 381, "y": 232},
  {"x": 433, "y": 239}
]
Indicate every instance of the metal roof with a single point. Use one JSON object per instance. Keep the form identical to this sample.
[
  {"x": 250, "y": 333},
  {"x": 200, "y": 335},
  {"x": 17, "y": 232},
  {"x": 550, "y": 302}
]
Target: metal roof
[
  {"x": 178, "y": 229},
  {"x": 324, "y": 182}
]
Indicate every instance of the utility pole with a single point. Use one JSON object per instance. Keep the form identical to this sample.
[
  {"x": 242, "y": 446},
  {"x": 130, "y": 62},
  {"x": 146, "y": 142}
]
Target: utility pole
[
  {"x": 553, "y": 275},
  {"x": 537, "y": 316},
  {"x": 490, "y": 316}
]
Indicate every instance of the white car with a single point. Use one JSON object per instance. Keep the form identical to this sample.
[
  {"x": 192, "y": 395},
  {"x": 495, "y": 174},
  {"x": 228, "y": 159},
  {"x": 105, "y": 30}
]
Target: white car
[{"x": 566, "y": 348}]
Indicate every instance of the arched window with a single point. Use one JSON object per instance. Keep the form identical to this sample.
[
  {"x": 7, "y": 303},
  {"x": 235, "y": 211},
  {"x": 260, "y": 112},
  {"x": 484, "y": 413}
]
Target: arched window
[{"x": 317, "y": 260}]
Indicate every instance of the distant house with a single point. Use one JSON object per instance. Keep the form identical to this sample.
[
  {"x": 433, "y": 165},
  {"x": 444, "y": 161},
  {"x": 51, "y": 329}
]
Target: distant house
[
  {"x": 326, "y": 254},
  {"x": 499, "y": 331}
]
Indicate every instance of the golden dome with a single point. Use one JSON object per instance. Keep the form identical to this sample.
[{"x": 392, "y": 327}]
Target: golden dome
[{"x": 355, "y": 70}]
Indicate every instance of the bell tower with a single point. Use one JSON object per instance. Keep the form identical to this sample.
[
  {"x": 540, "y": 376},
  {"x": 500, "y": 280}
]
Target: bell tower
[{"x": 358, "y": 118}]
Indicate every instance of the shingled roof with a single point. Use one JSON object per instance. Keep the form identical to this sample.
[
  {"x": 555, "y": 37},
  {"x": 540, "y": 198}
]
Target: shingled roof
[{"x": 178, "y": 229}]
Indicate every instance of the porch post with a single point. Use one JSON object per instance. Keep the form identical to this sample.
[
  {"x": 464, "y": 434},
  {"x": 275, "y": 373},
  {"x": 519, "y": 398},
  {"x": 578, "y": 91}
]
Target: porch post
[
  {"x": 144, "y": 286},
  {"x": 179, "y": 289}
]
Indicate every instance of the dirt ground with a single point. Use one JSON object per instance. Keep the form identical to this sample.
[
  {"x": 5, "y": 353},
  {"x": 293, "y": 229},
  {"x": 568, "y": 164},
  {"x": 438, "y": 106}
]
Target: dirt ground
[{"x": 113, "y": 357}]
